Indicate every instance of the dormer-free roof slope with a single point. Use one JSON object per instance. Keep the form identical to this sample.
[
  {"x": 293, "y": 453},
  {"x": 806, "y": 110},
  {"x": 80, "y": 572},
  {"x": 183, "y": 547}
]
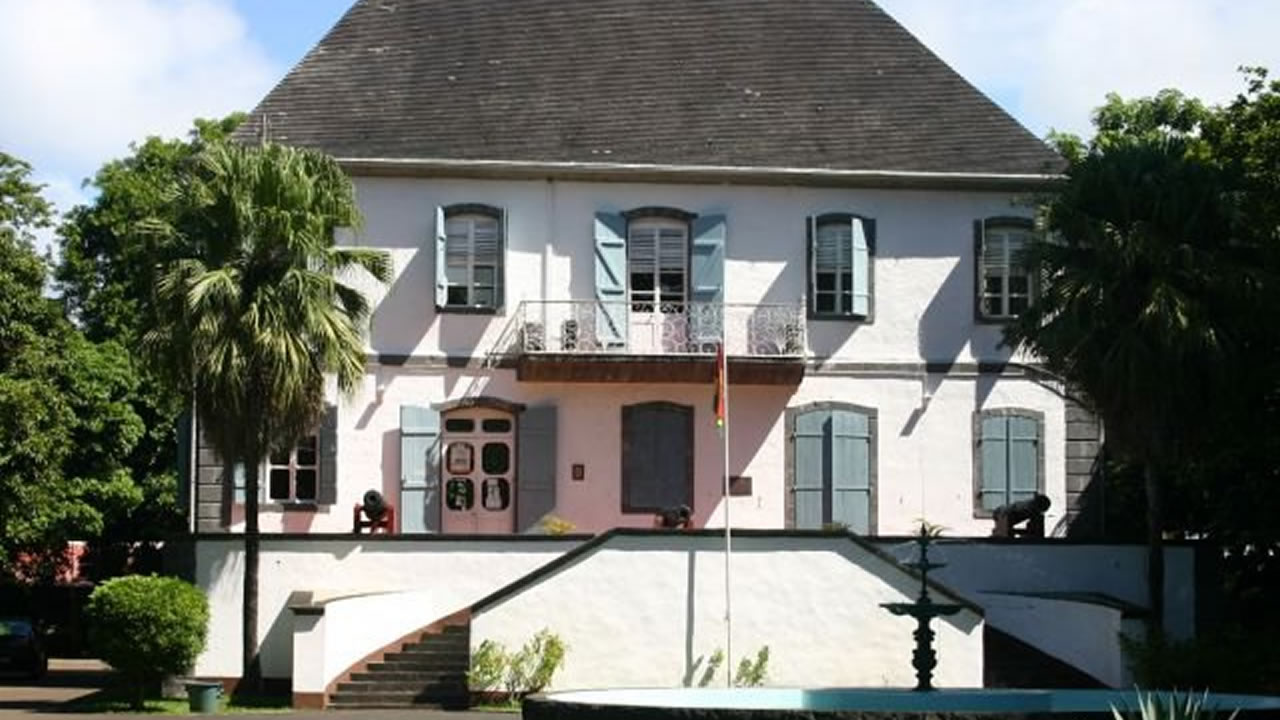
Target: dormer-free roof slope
[{"x": 801, "y": 84}]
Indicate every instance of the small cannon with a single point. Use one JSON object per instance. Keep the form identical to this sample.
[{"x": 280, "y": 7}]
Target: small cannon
[
  {"x": 373, "y": 513},
  {"x": 674, "y": 517},
  {"x": 1031, "y": 512}
]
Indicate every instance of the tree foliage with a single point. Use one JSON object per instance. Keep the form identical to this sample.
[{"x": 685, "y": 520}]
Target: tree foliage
[
  {"x": 252, "y": 311},
  {"x": 66, "y": 427},
  {"x": 1160, "y": 271}
]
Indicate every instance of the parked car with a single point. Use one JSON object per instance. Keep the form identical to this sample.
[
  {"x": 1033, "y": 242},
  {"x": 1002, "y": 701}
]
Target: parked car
[{"x": 22, "y": 647}]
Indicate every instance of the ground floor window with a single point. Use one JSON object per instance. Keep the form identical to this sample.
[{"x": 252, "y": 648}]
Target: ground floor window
[
  {"x": 832, "y": 467},
  {"x": 1008, "y": 457},
  {"x": 293, "y": 475},
  {"x": 657, "y": 457}
]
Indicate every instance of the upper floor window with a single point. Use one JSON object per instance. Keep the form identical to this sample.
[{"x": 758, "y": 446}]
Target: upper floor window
[
  {"x": 841, "y": 248},
  {"x": 1008, "y": 457},
  {"x": 657, "y": 264},
  {"x": 470, "y": 249},
  {"x": 1005, "y": 286}
]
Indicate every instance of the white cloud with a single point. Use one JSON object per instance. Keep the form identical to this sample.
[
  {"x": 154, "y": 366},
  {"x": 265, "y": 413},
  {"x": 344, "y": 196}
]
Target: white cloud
[
  {"x": 1051, "y": 62},
  {"x": 81, "y": 79}
]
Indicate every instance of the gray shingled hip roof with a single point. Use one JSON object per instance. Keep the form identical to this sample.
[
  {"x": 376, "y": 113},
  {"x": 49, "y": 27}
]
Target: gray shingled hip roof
[{"x": 825, "y": 85}]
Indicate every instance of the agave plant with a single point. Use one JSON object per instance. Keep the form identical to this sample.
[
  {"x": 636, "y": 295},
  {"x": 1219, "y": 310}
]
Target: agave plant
[{"x": 1171, "y": 706}]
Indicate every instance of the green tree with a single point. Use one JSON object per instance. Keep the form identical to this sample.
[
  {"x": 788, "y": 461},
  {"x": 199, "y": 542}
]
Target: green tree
[
  {"x": 65, "y": 423},
  {"x": 105, "y": 278},
  {"x": 252, "y": 313},
  {"x": 1144, "y": 273}
]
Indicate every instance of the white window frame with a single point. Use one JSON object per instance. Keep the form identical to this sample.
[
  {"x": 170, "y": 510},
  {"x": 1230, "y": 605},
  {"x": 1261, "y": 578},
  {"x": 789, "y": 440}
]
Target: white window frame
[
  {"x": 293, "y": 466},
  {"x": 1004, "y": 269},
  {"x": 469, "y": 285},
  {"x": 655, "y": 226}
]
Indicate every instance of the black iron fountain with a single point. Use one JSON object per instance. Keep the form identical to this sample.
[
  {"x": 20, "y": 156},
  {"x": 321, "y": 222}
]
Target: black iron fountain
[{"x": 924, "y": 659}]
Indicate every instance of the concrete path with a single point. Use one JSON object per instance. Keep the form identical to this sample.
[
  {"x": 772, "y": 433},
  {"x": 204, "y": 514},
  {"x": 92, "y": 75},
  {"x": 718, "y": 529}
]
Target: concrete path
[{"x": 70, "y": 679}]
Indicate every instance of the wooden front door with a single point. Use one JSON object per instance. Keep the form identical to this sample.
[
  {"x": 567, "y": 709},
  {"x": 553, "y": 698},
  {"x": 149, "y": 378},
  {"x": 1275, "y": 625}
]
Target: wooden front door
[{"x": 478, "y": 467}]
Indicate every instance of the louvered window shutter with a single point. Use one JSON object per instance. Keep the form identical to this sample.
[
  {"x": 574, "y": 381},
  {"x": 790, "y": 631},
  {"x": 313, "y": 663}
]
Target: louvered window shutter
[
  {"x": 611, "y": 279},
  {"x": 850, "y": 444},
  {"x": 328, "y": 437},
  {"x": 994, "y": 446},
  {"x": 1024, "y": 450},
  {"x": 861, "y": 231},
  {"x": 535, "y": 466},
  {"x": 442, "y": 283},
  {"x": 808, "y": 444},
  {"x": 419, "y": 469},
  {"x": 706, "y": 280}
]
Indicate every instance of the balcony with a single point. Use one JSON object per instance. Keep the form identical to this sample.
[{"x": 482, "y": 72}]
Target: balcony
[{"x": 593, "y": 341}]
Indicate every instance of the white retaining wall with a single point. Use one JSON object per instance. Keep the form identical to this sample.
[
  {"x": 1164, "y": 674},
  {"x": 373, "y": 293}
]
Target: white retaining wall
[
  {"x": 648, "y": 610},
  {"x": 444, "y": 575}
]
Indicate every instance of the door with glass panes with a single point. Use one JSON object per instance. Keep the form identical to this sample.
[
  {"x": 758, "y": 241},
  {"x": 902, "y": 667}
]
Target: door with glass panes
[
  {"x": 657, "y": 270},
  {"x": 478, "y": 466}
]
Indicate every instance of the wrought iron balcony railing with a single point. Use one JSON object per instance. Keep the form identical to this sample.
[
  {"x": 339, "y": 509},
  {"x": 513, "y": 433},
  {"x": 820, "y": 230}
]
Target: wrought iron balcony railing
[{"x": 582, "y": 327}]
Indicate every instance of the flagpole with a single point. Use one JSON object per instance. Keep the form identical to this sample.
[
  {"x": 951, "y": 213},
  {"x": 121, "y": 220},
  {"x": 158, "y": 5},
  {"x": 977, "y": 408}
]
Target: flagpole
[{"x": 728, "y": 534}]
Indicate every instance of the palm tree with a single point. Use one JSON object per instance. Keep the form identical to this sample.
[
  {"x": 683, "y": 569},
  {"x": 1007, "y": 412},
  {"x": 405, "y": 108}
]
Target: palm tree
[
  {"x": 253, "y": 312},
  {"x": 1130, "y": 308}
]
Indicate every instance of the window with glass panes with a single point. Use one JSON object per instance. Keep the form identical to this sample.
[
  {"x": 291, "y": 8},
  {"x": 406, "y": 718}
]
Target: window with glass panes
[
  {"x": 833, "y": 268},
  {"x": 473, "y": 260},
  {"x": 657, "y": 264},
  {"x": 1005, "y": 281},
  {"x": 293, "y": 475}
]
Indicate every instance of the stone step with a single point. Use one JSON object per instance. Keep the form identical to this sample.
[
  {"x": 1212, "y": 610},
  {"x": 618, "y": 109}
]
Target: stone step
[
  {"x": 420, "y": 676},
  {"x": 448, "y": 685},
  {"x": 450, "y": 697},
  {"x": 455, "y": 655},
  {"x": 416, "y": 666}
]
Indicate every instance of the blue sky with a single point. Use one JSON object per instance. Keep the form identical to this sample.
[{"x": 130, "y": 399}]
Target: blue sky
[{"x": 81, "y": 79}]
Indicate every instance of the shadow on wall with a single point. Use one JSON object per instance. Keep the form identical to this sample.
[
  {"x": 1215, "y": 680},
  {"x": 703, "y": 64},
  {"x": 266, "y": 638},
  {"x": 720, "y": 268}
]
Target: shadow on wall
[
  {"x": 404, "y": 316},
  {"x": 942, "y": 340}
]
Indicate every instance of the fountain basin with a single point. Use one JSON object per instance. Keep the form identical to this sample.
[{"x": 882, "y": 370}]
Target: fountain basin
[{"x": 802, "y": 704}]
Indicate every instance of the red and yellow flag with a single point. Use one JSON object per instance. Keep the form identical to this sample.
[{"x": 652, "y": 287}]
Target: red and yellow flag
[{"x": 722, "y": 371}]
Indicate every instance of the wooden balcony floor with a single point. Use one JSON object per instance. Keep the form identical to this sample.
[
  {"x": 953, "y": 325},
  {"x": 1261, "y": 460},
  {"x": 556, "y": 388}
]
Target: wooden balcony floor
[{"x": 690, "y": 369}]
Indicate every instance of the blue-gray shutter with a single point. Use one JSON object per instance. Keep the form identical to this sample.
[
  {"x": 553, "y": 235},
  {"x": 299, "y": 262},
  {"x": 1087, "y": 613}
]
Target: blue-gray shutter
[
  {"x": 811, "y": 262},
  {"x": 238, "y": 482},
  {"x": 1024, "y": 450},
  {"x": 182, "y": 429},
  {"x": 500, "y": 291},
  {"x": 327, "y": 492},
  {"x": 861, "y": 254},
  {"x": 419, "y": 469},
  {"x": 611, "y": 279},
  {"x": 535, "y": 466},
  {"x": 442, "y": 286},
  {"x": 811, "y": 468},
  {"x": 994, "y": 446},
  {"x": 706, "y": 280},
  {"x": 851, "y": 470}
]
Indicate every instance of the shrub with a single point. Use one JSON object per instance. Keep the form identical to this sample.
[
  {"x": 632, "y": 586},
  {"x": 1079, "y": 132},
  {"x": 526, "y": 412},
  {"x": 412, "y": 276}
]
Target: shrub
[
  {"x": 147, "y": 627},
  {"x": 527, "y": 670},
  {"x": 753, "y": 673},
  {"x": 1226, "y": 661},
  {"x": 750, "y": 673},
  {"x": 488, "y": 666},
  {"x": 556, "y": 525}
]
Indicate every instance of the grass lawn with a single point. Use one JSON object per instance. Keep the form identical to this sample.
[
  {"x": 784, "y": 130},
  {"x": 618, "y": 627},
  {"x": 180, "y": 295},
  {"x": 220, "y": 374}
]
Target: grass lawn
[{"x": 116, "y": 700}]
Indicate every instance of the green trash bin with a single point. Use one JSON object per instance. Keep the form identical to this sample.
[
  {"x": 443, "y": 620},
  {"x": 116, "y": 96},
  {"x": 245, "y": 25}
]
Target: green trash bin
[{"x": 202, "y": 697}]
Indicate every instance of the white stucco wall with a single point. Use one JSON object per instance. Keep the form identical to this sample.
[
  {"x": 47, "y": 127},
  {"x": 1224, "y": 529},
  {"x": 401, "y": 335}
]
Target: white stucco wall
[
  {"x": 1083, "y": 635},
  {"x": 975, "y": 568},
  {"x": 444, "y": 575},
  {"x": 924, "y": 451},
  {"x": 923, "y": 269},
  {"x": 643, "y": 610}
]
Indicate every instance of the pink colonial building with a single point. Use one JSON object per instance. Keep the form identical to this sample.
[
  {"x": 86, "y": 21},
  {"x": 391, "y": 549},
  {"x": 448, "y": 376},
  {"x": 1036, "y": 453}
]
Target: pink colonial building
[{"x": 581, "y": 200}]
